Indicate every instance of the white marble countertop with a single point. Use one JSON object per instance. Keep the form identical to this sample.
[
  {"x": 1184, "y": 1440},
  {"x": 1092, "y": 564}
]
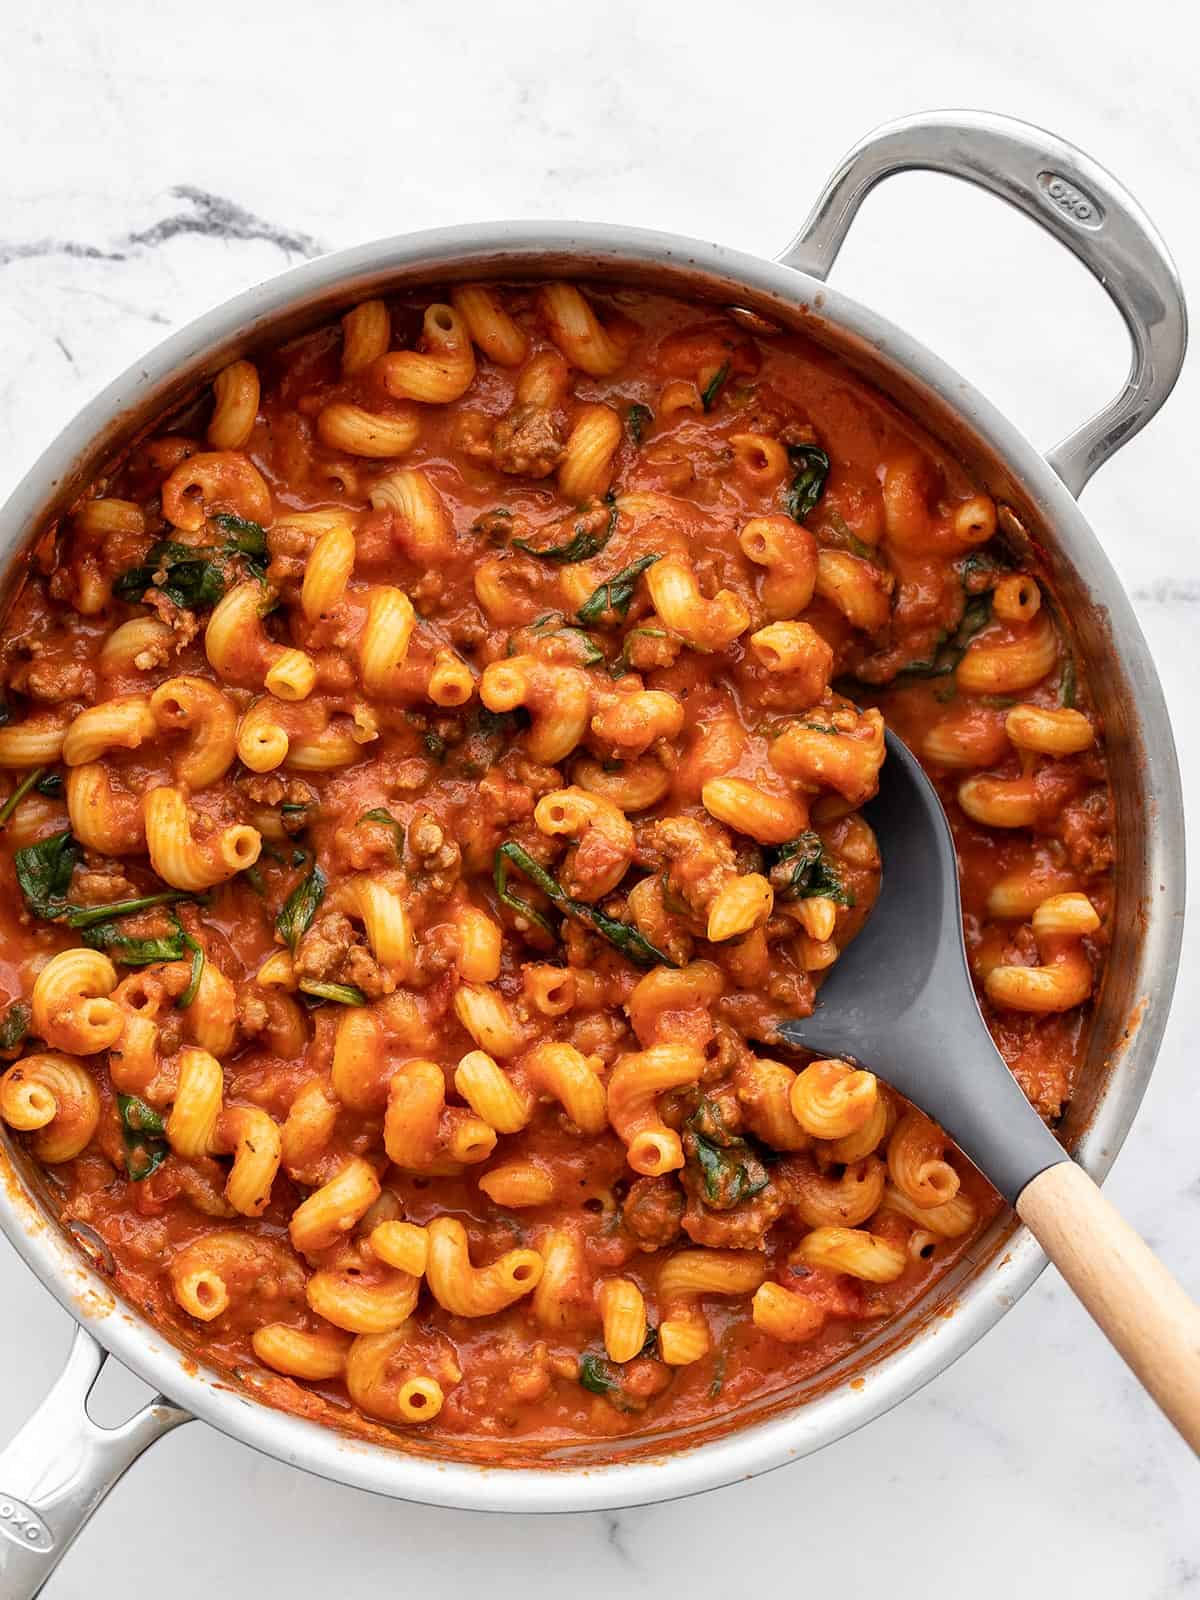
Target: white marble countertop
[{"x": 160, "y": 158}]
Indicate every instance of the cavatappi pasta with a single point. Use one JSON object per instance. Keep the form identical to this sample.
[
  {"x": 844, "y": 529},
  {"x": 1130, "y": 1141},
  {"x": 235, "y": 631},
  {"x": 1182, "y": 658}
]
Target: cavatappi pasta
[{"x": 432, "y": 767}]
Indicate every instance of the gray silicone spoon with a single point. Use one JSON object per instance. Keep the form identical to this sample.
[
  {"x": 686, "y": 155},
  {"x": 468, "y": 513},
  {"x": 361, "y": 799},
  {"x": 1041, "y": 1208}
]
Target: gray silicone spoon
[{"x": 900, "y": 1001}]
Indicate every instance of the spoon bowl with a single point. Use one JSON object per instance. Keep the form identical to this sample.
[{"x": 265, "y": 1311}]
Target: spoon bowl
[
  {"x": 900, "y": 999},
  {"x": 901, "y": 1002}
]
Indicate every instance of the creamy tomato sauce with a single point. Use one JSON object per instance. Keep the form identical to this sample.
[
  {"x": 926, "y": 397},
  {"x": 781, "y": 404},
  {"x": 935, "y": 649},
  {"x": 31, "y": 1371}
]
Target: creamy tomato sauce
[{"x": 716, "y": 421}]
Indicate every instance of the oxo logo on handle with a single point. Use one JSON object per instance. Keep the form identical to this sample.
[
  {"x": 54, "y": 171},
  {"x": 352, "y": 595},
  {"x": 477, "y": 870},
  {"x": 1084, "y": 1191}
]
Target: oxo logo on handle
[
  {"x": 23, "y": 1526},
  {"x": 1071, "y": 200}
]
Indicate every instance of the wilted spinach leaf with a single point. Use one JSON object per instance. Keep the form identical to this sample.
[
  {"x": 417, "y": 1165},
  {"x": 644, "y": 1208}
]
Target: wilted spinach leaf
[
  {"x": 134, "y": 952},
  {"x": 638, "y": 420},
  {"x": 195, "y": 576},
  {"x": 708, "y": 395},
  {"x": 345, "y": 994},
  {"x": 143, "y": 1134},
  {"x": 44, "y": 872},
  {"x": 14, "y": 1025},
  {"x": 581, "y": 547},
  {"x": 729, "y": 1168},
  {"x": 802, "y": 869},
  {"x": 596, "y": 1374},
  {"x": 980, "y": 568},
  {"x": 44, "y": 875},
  {"x": 555, "y": 624},
  {"x": 623, "y": 936},
  {"x": 190, "y": 577},
  {"x": 193, "y": 987},
  {"x": 89, "y": 916},
  {"x": 18, "y": 794},
  {"x": 977, "y": 613},
  {"x": 504, "y": 859},
  {"x": 300, "y": 908},
  {"x": 246, "y": 537},
  {"x": 811, "y": 466},
  {"x": 616, "y": 593},
  {"x": 1067, "y": 685},
  {"x": 619, "y": 665},
  {"x": 388, "y": 821},
  {"x": 835, "y": 533}
]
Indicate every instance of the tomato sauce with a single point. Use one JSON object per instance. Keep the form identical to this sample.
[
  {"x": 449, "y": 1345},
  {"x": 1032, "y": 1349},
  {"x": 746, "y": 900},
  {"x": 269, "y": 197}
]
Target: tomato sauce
[{"x": 460, "y": 781}]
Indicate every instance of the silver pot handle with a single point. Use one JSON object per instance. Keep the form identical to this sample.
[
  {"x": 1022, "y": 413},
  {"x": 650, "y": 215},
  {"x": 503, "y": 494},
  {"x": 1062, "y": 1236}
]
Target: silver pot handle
[
  {"x": 1073, "y": 198},
  {"x": 60, "y": 1467}
]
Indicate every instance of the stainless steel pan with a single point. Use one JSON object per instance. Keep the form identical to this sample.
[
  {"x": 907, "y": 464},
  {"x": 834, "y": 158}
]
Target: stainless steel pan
[{"x": 61, "y": 1465}]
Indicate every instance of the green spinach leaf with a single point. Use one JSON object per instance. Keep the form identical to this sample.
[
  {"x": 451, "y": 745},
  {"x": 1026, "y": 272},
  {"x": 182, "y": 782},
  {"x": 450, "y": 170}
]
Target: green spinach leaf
[
  {"x": 616, "y": 593},
  {"x": 590, "y": 653},
  {"x": 143, "y": 1134},
  {"x": 729, "y": 1167},
  {"x": 134, "y": 952},
  {"x": 44, "y": 875},
  {"x": 300, "y": 908},
  {"x": 196, "y": 576},
  {"x": 708, "y": 395},
  {"x": 619, "y": 665},
  {"x": 18, "y": 794},
  {"x": 189, "y": 575},
  {"x": 811, "y": 466},
  {"x": 802, "y": 869},
  {"x": 44, "y": 872},
  {"x": 485, "y": 724},
  {"x": 980, "y": 568},
  {"x": 835, "y": 533},
  {"x": 89, "y": 916},
  {"x": 246, "y": 537},
  {"x": 193, "y": 987},
  {"x": 597, "y": 1374},
  {"x": 554, "y": 624},
  {"x": 623, "y": 936},
  {"x": 345, "y": 994},
  {"x": 585, "y": 543},
  {"x": 1067, "y": 684},
  {"x": 14, "y": 1025},
  {"x": 638, "y": 419},
  {"x": 977, "y": 613},
  {"x": 730, "y": 1174},
  {"x": 379, "y": 814},
  {"x": 500, "y": 871}
]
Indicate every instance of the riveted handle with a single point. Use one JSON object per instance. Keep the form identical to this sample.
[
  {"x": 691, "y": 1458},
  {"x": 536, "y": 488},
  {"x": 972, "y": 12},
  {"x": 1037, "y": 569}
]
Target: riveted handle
[
  {"x": 61, "y": 1465},
  {"x": 1069, "y": 195}
]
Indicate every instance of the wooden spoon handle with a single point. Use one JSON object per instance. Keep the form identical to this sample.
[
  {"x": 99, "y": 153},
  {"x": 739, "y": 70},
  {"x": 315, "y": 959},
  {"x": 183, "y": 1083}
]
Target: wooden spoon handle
[{"x": 1146, "y": 1314}]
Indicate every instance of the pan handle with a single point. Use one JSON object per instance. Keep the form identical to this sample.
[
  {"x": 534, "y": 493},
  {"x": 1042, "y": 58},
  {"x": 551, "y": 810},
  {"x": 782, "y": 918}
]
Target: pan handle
[
  {"x": 61, "y": 1465},
  {"x": 1072, "y": 197}
]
